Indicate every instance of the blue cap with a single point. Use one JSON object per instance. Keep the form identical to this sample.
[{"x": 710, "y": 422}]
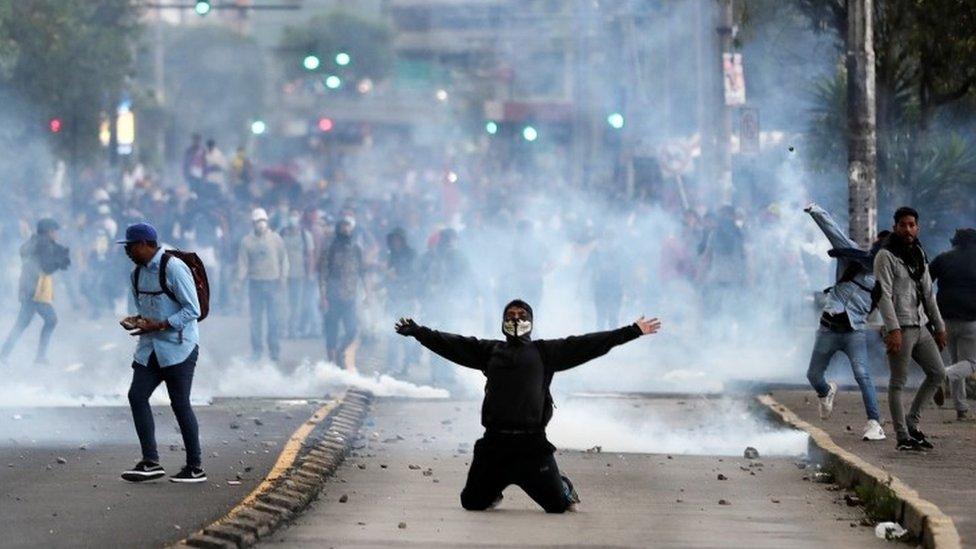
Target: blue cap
[{"x": 139, "y": 232}]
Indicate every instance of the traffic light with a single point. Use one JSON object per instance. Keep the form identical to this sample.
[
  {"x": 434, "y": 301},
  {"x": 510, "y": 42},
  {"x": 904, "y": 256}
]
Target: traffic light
[
  {"x": 616, "y": 120},
  {"x": 325, "y": 124},
  {"x": 332, "y": 82},
  {"x": 258, "y": 127},
  {"x": 342, "y": 59},
  {"x": 202, "y": 7},
  {"x": 529, "y": 133},
  {"x": 54, "y": 125},
  {"x": 491, "y": 127},
  {"x": 311, "y": 62}
]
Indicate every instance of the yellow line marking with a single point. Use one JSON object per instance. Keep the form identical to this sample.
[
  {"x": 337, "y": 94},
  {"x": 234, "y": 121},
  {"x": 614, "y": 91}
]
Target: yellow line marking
[
  {"x": 942, "y": 533},
  {"x": 288, "y": 454}
]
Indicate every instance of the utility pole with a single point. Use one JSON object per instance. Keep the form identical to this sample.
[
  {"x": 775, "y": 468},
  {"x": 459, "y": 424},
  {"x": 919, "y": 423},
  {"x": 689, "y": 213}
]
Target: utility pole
[{"x": 862, "y": 148}]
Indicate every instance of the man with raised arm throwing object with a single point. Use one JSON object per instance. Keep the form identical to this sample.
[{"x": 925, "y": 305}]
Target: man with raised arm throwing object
[{"x": 518, "y": 404}]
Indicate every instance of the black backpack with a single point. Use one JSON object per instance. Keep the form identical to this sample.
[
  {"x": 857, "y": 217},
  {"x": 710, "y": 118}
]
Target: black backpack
[{"x": 198, "y": 271}]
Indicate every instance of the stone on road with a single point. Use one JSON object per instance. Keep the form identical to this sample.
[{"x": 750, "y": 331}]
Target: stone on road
[{"x": 407, "y": 495}]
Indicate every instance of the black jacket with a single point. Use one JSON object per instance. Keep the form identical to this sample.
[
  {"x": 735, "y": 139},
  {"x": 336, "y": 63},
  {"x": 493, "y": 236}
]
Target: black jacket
[
  {"x": 519, "y": 371},
  {"x": 955, "y": 272}
]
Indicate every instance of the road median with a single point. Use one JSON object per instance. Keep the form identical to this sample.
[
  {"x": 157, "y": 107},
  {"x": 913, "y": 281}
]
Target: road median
[
  {"x": 884, "y": 492},
  {"x": 296, "y": 478}
]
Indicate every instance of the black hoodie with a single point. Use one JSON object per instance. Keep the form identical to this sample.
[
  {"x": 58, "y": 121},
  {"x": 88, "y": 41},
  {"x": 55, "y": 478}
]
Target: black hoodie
[{"x": 519, "y": 370}]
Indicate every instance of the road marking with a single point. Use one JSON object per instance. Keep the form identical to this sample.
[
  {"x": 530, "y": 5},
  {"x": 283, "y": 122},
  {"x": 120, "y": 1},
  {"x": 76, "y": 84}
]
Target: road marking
[{"x": 288, "y": 454}]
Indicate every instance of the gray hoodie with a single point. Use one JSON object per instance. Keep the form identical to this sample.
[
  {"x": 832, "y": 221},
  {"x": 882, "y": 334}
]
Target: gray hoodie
[{"x": 901, "y": 297}]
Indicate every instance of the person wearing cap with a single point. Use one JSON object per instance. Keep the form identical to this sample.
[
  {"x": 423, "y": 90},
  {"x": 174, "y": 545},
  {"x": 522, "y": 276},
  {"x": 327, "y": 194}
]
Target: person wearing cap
[
  {"x": 955, "y": 273},
  {"x": 263, "y": 263},
  {"x": 517, "y": 404},
  {"x": 41, "y": 257},
  {"x": 166, "y": 352}
]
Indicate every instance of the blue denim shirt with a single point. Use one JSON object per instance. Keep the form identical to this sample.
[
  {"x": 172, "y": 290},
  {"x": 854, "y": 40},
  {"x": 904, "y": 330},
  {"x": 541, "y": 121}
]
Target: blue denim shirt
[
  {"x": 174, "y": 345},
  {"x": 846, "y": 296}
]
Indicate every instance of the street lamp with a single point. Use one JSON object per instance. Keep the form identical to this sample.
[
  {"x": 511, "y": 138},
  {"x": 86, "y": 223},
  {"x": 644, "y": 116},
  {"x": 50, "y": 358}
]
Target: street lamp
[
  {"x": 342, "y": 59},
  {"x": 311, "y": 62}
]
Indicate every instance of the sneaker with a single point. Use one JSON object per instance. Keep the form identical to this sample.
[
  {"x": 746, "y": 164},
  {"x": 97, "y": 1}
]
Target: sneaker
[
  {"x": 963, "y": 415},
  {"x": 873, "y": 431},
  {"x": 908, "y": 445},
  {"x": 189, "y": 474},
  {"x": 919, "y": 436},
  {"x": 827, "y": 402},
  {"x": 939, "y": 396},
  {"x": 571, "y": 494},
  {"x": 143, "y": 471}
]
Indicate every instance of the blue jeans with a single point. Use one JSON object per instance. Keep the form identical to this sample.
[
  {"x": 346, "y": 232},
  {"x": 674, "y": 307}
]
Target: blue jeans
[
  {"x": 854, "y": 345},
  {"x": 265, "y": 301},
  {"x": 179, "y": 380}
]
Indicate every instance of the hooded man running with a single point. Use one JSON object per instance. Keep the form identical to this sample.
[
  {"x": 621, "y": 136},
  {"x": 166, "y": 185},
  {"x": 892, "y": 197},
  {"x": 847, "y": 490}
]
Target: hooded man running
[{"x": 517, "y": 404}]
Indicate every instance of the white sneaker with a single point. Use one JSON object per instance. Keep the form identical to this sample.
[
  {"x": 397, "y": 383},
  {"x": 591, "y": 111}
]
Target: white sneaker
[
  {"x": 827, "y": 402},
  {"x": 873, "y": 431}
]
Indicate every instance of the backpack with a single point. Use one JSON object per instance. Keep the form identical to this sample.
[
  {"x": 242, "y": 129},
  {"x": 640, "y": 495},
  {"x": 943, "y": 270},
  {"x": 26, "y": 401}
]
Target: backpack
[{"x": 198, "y": 271}]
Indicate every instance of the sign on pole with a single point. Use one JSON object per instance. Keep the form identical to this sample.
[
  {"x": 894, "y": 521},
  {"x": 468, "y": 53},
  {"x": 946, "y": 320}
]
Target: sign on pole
[
  {"x": 735, "y": 80},
  {"x": 749, "y": 130}
]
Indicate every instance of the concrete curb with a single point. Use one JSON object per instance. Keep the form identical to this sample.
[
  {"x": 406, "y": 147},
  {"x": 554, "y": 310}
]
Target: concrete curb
[
  {"x": 921, "y": 517},
  {"x": 285, "y": 494}
]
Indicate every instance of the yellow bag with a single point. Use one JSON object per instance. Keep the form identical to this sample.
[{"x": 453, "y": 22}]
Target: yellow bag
[{"x": 44, "y": 293}]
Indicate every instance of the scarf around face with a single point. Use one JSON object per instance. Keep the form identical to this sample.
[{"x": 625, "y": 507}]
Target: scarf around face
[{"x": 911, "y": 254}]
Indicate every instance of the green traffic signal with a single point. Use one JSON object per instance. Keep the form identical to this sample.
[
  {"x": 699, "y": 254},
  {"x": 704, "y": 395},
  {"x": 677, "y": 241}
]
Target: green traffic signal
[{"x": 202, "y": 7}]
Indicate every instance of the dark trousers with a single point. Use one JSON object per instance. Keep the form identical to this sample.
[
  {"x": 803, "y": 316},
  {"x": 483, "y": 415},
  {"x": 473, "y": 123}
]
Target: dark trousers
[
  {"x": 27, "y": 310},
  {"x": 521, "y": 460},
  {"x": 178, "y": 379},
  {"x": 341, "y": 311}
]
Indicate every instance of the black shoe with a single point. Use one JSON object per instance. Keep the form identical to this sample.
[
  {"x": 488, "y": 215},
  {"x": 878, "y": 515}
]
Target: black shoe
[
  {"x": 143, "y": 471},
  {"x": 920, "y": 437},
  {"x": 189, "y": 474},
  {"x": 570, "y": 491},
  {"x": 962, "y": 415},
  {"x": 909, "y": 445},
  {"x": 939, "y": 396}
]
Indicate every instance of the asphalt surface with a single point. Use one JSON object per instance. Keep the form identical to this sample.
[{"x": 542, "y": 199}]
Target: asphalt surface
[
  {"x": 401, "y": 490},
  {"x": 944, "y": 476},
  {"x": 59, "y": 471}
]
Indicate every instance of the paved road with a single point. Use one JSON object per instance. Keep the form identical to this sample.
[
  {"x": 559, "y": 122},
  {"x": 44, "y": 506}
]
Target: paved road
[
  {"x": 629, "y": 500},
  {"x": 943, "y": 476},
  {"x": 83, "y": 502}
]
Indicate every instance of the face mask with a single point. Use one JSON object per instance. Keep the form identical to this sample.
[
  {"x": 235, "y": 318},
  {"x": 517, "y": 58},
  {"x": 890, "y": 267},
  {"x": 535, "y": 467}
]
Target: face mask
[
  {"x": 294, "y": 221},
  {"x": 516, "y": 328}
]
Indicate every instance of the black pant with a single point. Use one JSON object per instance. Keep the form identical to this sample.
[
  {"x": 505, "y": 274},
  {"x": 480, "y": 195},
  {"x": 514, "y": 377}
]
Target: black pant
[
  {"x": 341, "y": 311},
  {"x": 523, "y": 460},
  {"x": 27, "y": 310},
  {"x": 178, "y": 379}
]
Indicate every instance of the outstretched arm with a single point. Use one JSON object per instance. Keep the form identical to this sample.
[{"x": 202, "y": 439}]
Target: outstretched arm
[
  {"x": 469, "y": 352},
  {"x": 563, "y": 354},
  {"x": 837, "y": 237}
]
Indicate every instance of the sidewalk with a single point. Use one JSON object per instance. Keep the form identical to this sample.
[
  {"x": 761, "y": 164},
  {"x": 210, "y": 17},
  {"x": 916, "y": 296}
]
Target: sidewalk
[{"x": 944, "y": 476}]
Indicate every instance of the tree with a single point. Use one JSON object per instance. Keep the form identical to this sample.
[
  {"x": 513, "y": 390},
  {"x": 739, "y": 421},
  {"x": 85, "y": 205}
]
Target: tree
[{"x": 67, "y": 60}]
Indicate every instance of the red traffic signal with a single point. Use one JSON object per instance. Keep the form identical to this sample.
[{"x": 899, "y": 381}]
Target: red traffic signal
[
  {"x": 325, "y": 124},
  {"x": 54, "y": 125}
]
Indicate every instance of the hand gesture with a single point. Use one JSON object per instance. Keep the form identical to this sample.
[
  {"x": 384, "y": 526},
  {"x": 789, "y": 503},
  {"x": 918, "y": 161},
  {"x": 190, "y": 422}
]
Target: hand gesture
[
  {"x": 406, "y": 327},
  {"x": 648, "y": 327}
]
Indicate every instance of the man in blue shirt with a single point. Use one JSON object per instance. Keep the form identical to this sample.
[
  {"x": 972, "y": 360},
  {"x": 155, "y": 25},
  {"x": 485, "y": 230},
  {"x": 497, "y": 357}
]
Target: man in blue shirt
[
  {"x": 843, "y": 322},
  {"x": 166, "y": 352}
]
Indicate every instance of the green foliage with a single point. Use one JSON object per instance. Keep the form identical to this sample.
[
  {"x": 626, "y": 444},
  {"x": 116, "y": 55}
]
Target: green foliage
[
  {"x": 367, "y": 42},
  {"x": 880, "y": 502},
  {"x": 66, "y": 59}
]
